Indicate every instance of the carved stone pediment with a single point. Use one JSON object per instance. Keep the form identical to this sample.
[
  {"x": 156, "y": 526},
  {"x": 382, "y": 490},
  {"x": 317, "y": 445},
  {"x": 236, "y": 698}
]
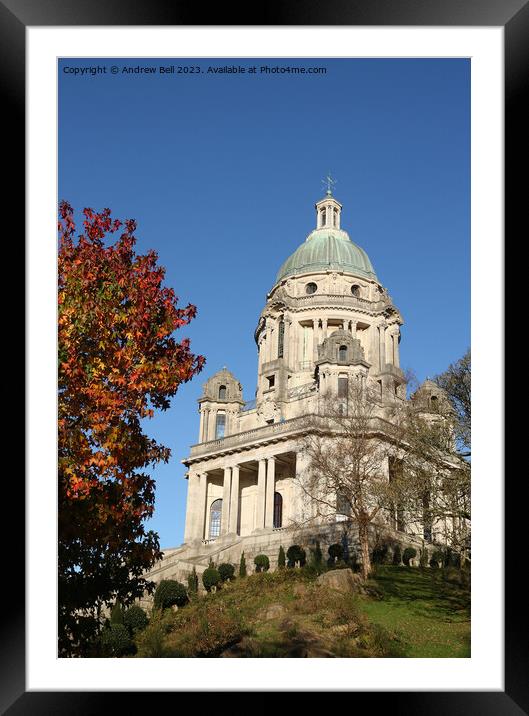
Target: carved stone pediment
[{"x": 329, "y": 350}]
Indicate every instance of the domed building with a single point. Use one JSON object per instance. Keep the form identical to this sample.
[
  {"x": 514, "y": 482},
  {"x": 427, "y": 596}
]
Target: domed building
[{"x": 327, "y": 321}]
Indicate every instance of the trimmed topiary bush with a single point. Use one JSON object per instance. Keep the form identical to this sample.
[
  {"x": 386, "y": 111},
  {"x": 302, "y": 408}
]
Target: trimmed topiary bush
[
  {"x": 135, "y": 619},
  {"x": 170, "y": 593},
  {"x": 437, "y": 559},
  {"x": 116, "y": 641},
  {"x": 281, "y": 561},
  {"x": 262, "y": 563},
  {"x": 116, "y": 615},
  {"x": 192, "y": 582},
  {"x": 210, "y": 578},
  {"x": 397, "y": 555},
  {"x": 409, "y": 553},
  {"x": 452, "y": 559},
  {"x": 226, "y": 571},
  {"x": 242, "y": 566},
  {"x": 296, "y": 554},
  {"x": 335, "y": 553}
]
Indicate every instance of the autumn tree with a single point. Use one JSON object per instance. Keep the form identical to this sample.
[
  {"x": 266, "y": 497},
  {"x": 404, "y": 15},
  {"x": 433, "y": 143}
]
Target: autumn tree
[{"x": 118, "y": 362}]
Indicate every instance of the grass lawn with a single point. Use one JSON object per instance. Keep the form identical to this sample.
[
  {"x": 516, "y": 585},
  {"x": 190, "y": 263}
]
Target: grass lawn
[{"x": 429, "y": 614}]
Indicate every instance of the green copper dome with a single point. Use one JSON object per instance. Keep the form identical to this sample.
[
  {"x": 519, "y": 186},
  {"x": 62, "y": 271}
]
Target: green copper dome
[{"x": 328, "y": 249}]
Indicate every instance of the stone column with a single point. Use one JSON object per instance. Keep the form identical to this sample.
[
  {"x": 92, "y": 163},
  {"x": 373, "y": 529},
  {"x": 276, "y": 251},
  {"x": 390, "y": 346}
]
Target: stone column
[
  {"x": 323, "y": 329},
  {"x": 261, "y": 480},
  {"x": 286, "y": 340},
  {"x": 270, "y": 489},
  {"x": 353, "y": 328},
  {"x": 206, "y": 425},
  {"x": 234, "y": 506},
  {"x": 226, "y": 495},
  {"x": 396, "y": 336},
  {"x": 201, "y": 427},
  {"x": 199, "y": 510},
  {"x": 193, "y": 480},
  {"x": 382, "y": 345}
]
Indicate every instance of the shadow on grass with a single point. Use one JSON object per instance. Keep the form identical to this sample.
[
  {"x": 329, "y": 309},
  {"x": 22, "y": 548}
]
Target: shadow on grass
[{"x": 427, "y": 590}]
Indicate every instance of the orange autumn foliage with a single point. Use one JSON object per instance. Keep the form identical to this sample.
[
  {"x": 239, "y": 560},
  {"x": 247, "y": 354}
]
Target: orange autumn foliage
[{"x": 118, "y": 362}]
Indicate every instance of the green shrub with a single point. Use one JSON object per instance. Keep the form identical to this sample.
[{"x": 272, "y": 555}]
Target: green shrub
[
  {"x": 135, "y": 619},
  {"x": 335, "y": 553},
  {"x": 380, "y": 554},
  {"x": 242, "y": 566},
  {"x": 151, "y": 641},
  {"x": 436, "y": 558},
  {"x": 397, "y": 555},
  {"x": 116, "y": 615},
  {"x": 262, "y": 563},
  {"x": 316, "y": 557},
  {"x": 409, "y": 553},
  {"x": 170, "y": 593},
  {"x": 281, "y": 561},
  {"x": 116, "y": 641},
  {"x": 296, "y": 554},
  {"x": 452, "y": 559},
  {"x": 192, "y": 582},
  {"x": 210, "y": 578},
  {"x": 226, "y": 571}
]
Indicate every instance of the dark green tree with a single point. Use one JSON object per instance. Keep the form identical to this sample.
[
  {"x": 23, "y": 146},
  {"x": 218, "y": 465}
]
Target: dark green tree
[
  {"x": 281, "y": 561},
  {"x": 242, "y": 566}
]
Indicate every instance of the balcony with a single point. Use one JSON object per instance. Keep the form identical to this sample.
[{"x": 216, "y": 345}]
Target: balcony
[
  {"x": 249, "y": 438},
  {"x": 271, "y": 434}
]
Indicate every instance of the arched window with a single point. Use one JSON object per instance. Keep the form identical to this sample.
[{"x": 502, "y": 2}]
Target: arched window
[
  {"x": 355, "y": 290},
  {"x": 311, "y": 288},
  {"x": 278, "y": 510},
  {"x": 222, "y": 392},
  {"x": 342, "y": 354},
  {"x": 215, "y": 518},
  {"x": 220, "y": 425}
]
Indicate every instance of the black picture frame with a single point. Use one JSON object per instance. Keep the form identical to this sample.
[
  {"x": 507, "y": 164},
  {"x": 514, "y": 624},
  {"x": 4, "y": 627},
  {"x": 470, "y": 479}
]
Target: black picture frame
[{"x": 513, "y": 16}]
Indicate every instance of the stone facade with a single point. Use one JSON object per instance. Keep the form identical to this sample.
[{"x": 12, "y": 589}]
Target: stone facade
[{"x": 327, "y": 318}]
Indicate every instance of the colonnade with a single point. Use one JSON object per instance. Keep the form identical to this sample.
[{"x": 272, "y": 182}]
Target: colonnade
[{"x": 197, "y": 516}]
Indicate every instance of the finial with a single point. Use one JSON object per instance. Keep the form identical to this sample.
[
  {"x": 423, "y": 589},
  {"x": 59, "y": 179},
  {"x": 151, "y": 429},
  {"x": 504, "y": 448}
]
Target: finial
[{"x": 330, "y": 182}]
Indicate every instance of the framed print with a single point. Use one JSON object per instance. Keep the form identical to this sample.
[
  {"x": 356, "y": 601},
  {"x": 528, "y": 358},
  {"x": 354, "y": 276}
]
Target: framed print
[{"x": 211, "y": 135}]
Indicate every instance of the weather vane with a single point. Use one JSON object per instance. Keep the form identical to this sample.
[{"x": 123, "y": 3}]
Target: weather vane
[{"x": 330, "y": 182}]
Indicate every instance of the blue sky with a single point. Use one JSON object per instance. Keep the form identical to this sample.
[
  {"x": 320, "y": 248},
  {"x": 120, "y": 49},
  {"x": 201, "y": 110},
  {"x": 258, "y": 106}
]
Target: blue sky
[{"x": 221, "y": 172}]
